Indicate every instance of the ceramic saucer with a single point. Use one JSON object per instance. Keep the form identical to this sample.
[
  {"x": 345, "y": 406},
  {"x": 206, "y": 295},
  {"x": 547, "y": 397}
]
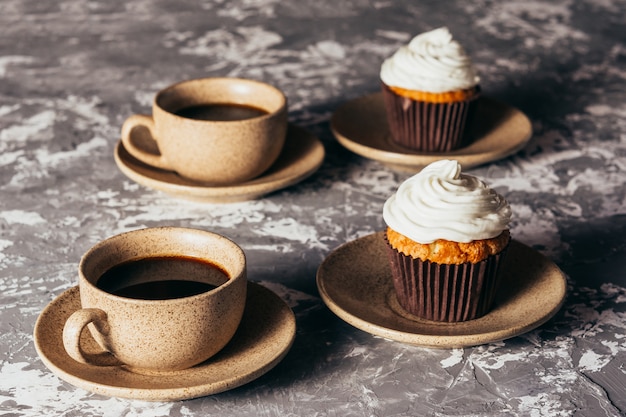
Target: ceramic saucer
[
  {"x": 355, "y": 283},
  {"x": 264, "y": 337},
  {"x": 302, "y": 155},
  {"x": 360, "y": 125}
]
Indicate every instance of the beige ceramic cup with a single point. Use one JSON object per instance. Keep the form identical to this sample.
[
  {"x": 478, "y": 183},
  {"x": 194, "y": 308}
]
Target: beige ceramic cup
[
  {"x": 215, "y": 152},
  {"x": 158, "y": 335}
]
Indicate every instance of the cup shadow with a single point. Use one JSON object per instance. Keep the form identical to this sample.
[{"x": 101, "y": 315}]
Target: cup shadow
[{"x": 142, "y": 138}]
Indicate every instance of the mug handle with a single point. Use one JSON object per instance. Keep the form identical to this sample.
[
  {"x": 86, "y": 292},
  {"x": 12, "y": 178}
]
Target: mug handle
[
  {"x": 74, "y": 327},
  {"x": 142, "y": 120}
]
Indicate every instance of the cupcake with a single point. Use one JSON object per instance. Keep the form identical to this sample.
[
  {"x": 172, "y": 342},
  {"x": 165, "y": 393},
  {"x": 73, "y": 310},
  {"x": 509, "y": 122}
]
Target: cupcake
[
  {"x": 430, "y": 87},
  {"x": 447, "y": 234}
]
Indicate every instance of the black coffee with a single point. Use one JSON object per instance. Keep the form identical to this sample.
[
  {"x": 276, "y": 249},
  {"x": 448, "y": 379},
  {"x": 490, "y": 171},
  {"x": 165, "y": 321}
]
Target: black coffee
[
  {"x": 162, "y": 278},
  {"x": 221, "y": 112}
]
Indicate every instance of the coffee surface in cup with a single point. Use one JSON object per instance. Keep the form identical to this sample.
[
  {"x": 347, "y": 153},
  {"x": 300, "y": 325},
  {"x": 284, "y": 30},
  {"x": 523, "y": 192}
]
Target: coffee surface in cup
[
  {"x": 221, "y": 112},
  {"x": 162, "y": 278}
]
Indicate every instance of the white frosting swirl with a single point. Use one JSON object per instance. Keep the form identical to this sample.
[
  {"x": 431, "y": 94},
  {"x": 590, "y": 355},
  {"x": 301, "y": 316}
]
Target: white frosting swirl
[
  {"x": 431, "y": 62},
  {"x": 442, "y": 203}
]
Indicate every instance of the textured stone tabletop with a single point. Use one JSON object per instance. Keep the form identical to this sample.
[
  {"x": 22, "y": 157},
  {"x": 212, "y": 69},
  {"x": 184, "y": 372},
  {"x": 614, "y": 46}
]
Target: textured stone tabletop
[{"x": 71, "y": 71}]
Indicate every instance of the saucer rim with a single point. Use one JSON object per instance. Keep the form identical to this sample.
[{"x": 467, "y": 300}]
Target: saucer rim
[
  {"x": 55, "y": 363},
  {"x": 266, "y": 183},
  {"x": 410, "y": 161},
  {"x": 418, "y": 336}
]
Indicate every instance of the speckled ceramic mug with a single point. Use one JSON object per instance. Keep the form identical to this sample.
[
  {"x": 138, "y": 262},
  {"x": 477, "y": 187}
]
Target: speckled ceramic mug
[
  {"x": 158, "y": 335},
  {"x": 218, "y": 131}
]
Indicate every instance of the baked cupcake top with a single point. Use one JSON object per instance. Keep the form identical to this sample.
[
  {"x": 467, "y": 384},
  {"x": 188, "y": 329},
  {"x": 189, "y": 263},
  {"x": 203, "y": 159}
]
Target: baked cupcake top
[
  {"x": 441, "y": 202},
  {"x": 432, "y": 62}
]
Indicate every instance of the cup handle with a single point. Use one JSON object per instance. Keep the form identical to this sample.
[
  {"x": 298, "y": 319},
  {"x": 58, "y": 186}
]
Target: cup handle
[
  {"x": 142, "y": 120},
  {"x": 74, "y": 327}
]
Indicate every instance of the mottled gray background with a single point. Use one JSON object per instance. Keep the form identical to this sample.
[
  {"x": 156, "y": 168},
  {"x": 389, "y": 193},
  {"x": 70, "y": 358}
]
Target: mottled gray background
[{"x": 71, "y": 71}]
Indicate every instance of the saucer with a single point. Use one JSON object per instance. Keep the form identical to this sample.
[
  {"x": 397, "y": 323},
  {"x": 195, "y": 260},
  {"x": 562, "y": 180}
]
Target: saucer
[
  {"x": 301, "y": 156},
  {"x": 266, "y": 333},
  {"x": 360, "y": 125},
  {"x": 355, "y": 283}
]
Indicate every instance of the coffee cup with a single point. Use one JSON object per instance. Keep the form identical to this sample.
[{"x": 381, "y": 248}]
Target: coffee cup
[
  {"x": 158, "y": 299},
  {"x": 218, "y": 131}
]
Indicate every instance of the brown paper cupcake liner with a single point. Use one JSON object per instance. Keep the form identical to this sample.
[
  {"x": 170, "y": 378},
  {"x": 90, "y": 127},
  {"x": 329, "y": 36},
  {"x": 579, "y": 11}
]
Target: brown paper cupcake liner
[
  {"x": 428, "y": 127},
  {"x": 442, "y": 292}
]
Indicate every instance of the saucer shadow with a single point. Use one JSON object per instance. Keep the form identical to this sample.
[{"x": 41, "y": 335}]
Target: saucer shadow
[
  {"x": 322, "y": 339},
  {"x": 596, "y": 250}
]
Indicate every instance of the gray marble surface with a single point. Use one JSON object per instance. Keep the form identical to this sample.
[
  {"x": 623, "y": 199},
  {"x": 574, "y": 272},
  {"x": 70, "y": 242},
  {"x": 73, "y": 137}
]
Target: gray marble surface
[{"x": 71, "y": 71}]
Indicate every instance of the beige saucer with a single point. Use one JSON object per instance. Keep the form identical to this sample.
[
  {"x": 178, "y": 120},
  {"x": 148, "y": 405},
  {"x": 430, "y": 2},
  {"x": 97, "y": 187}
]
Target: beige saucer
[
  {"x": 355, "y": 283},
  {"x": 301, "y": 156},
  {"x": 264, "y": 337},
  {"x": 360, "y": 125}
]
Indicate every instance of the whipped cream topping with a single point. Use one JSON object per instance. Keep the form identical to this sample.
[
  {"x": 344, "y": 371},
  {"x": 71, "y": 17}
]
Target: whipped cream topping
[
  {"x": 440, "y": 202},
  {"x": 431, "y": 62}
]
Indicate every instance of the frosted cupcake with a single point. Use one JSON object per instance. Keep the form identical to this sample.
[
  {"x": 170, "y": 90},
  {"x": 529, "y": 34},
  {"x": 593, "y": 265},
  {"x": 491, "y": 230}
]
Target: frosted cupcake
[
  {"x": 447, "y": 234},
  {"x": 430, "y": 87}
]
